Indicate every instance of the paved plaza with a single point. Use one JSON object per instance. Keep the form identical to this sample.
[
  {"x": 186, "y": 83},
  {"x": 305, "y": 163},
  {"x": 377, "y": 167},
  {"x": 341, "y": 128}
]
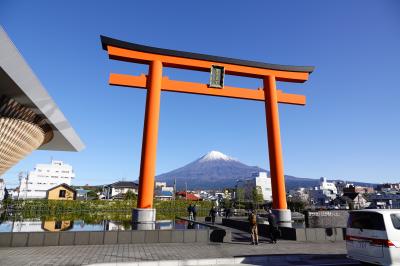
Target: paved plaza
[{"x": 118, "y": 254}]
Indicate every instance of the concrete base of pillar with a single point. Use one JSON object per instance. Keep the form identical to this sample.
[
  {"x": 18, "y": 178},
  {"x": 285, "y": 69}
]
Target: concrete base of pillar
[
  {"x": 143, "y": 219},
  {"x": 283, "y": 217}
]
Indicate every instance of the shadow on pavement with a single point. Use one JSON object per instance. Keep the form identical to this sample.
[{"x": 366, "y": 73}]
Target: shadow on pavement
[{"x": 298, "y": 259}]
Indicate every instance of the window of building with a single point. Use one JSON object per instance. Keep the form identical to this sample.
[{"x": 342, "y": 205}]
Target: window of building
[
  {"x": 58, "y": 223},
  {"x": 62, "y": 193}
]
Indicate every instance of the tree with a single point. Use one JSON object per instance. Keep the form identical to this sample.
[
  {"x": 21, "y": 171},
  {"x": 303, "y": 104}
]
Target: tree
[
  {"x": 226, "y": 203},
  {"x": 239, "y": 196},
  {"x": 296, "y": 205},
  {"x": 92, "y": 195},
  {"x": 130, "y": 195},
  {"x": 258, "y": 198}
]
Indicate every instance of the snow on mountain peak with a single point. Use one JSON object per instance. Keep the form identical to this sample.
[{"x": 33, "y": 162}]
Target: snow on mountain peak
[{"x": 216, "y": 155}]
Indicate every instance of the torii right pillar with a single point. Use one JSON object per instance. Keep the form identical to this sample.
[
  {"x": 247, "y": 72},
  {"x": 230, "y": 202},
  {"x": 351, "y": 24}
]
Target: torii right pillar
[{"x": 279, "y": 204}]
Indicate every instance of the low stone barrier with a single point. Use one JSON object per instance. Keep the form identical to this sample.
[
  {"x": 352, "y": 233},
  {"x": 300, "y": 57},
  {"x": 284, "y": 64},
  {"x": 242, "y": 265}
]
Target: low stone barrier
[
  {"x": 326, "y": 219},
  {"x": 297, "y": 234},
  {"x": 217, "y": 234},
  {"x": 32, "y": 239}
]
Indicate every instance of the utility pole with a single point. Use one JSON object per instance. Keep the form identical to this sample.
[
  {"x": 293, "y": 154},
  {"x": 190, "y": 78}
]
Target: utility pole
[
  {"x": 186, "y": 190},
  {"x": 26, "y": 186},
  {"x": 174, "y": 188},
  {"x": 20, "y": 179}
]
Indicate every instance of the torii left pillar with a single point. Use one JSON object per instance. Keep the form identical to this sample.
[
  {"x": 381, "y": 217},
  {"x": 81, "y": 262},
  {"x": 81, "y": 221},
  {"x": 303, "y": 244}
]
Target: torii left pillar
[
  {"x": 144, "y": 216},
  {"x": 279, "y": 204}
]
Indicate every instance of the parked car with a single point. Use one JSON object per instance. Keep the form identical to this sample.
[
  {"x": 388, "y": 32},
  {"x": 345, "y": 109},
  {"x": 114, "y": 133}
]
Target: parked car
[{"x": 373, "y": 236}]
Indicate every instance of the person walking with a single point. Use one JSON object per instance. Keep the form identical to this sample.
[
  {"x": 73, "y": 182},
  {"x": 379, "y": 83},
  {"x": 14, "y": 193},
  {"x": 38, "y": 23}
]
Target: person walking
[
  {"x": 253, "y": 227},
  {"x": 213, "y": 213},
  {"x": 190, "y": 212},
  {"x": 273, "y": 227}
]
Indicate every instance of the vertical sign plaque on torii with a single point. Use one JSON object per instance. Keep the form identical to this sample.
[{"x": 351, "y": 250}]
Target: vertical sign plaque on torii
[
  {"x": 217, "y": 74},
  {"x": 155, "y": 82}
]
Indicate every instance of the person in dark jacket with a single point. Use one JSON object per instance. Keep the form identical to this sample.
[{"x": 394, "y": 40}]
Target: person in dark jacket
[
  {"x": 273, "y": 227},
  {"x": 213, "y": 213},
  {"x": 194, "y": 211},
  {"x": 190, "y": 212}
]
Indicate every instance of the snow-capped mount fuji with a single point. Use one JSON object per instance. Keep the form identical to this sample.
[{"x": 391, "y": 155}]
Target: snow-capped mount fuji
[
  {"x": 213, "y": 170},
  {"x": 215, "y": 155}
]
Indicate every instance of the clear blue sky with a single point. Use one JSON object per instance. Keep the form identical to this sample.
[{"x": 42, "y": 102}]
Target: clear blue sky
[{"x": 349, "y": 128}]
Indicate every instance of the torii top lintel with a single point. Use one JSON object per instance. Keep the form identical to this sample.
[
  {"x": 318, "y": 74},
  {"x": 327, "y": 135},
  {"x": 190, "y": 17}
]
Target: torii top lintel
[{"x": 131, "y": 52}]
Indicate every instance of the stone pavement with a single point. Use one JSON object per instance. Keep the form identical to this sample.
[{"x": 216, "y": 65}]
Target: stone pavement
[{"x": 90, "y": 254}]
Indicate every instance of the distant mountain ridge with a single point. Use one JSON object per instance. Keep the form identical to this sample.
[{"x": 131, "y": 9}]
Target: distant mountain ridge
[
  {"x": 216, "y": 170},
  {"x": 213, "y": 170}
]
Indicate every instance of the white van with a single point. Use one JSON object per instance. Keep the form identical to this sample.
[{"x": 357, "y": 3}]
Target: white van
[{"x": 373, "y": 236}]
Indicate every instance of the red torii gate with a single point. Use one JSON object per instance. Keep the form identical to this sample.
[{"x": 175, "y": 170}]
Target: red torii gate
[{"x": 154, "y": 82}]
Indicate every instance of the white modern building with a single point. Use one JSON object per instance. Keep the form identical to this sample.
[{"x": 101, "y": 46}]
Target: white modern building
[
  {"x": 2, "y": 189},
  {"x": 44, "y": 177},
  {"x": 162, "y": 186},
  {"x": 261, "y": 180},
  {"x": 325, "y": 185},
  {"x": 323, "y": 194}
]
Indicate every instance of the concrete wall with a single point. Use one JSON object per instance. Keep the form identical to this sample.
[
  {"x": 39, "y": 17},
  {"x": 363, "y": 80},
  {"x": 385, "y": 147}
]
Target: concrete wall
[
  {"x": 326, "y": 219},
  {"x": 297, "y": 234},
  {"x": 103, "y": 238}
]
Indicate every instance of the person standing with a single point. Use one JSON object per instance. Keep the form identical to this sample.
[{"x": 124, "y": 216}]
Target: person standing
[
  {"x": 227, "y": 213},
  {"x": 213, "y": 213},
  {"x": 190, "y": 212},
  {"x": 273, "y": 227},
  {"x": 253, "y": 227},
  {"x": 194, "y": 211}
]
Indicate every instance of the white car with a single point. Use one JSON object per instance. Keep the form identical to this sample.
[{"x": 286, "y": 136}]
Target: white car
[{"x": 373, "y": 236}]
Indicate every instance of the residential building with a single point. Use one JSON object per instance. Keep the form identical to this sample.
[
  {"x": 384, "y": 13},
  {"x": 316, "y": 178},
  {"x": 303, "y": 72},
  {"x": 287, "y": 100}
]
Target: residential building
[
  {"x": 350, "y": 188},
  {"x": 82, "y": 194},
  {"x": 355, "y": 200},
  {"x": 164, "y": 195},
  {"x": 340, "y": 186},
  {"x": 120, "y": 188},
  {"x": 385, "y": 200},
  {"x": 257, "y": 180},
  {"x": 188, "y": 196},
  {"x": 13, "y": 193},
  {"x": 162, "y": 186},
  {"x": 389, "y": 187},
  {"x": 61, "y": 192},
  {"x": 44, "y": 177},
  {"x": 300, "y": 194},
  {"x": 163, "y": 192},
  {"x": 57, "y": 226}
]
